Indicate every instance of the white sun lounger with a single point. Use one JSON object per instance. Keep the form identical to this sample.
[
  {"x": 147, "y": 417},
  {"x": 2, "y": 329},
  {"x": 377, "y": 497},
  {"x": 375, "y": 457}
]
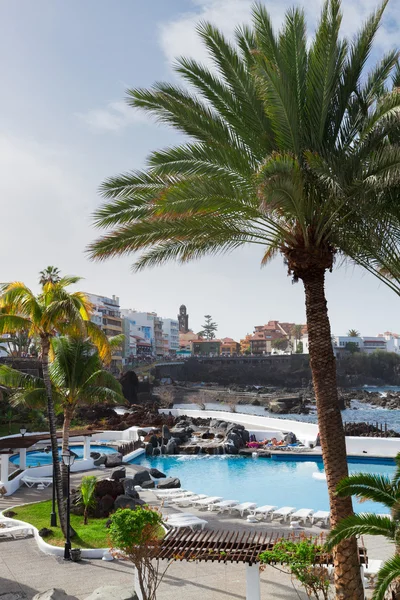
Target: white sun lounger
[
  {"x": 244, "y": 507},
  {"x": 172, "y": 497},
  {"x": 191, "y": 522},
  {"x": 139, "y": 488},
  {"x": 302, "y": 514},
  {"x": 224, "y": 505},
  {"x": 205, "y": 502},
  {"x": 263, "y": 511},
  {"x": 31, "y": 481},
  {"x": 186, "y": 500},
  {"x": 17, "y": 529},
  {"x": 283, "y": 513},
  {"x": 321, "y": 515},
  {"x": 178, "y": 515},
  {"x": 158, "y": 492},
  {"x": 173, "y": 494}
]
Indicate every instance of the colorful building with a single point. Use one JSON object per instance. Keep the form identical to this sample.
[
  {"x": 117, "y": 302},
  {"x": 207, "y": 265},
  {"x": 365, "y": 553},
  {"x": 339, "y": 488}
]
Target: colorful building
[
  {"x": 203, "y": 347},
  {"x": 229, "y": 347}
]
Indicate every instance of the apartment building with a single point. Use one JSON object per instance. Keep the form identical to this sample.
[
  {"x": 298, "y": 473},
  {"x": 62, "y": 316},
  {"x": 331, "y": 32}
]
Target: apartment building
[
  {"x": 158, "y": 336},
  {"x": 171, "y": 334},
  {"x": 261, "y": 342},
  {"x": 141, "y": 325},
  {"x": 107, "y": 315}
]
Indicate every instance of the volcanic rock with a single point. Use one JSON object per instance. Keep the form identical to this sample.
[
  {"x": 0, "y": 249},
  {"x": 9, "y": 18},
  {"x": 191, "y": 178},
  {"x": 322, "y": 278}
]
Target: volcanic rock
[{"x": 168, "y": 483}]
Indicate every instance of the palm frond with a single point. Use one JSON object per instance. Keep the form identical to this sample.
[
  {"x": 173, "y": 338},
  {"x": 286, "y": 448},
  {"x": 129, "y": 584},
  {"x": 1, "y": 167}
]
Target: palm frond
[
  {"x": 389, "y": 571},
  {"x": 13, "y": 379},
  {"x": 369, "y": 486},
  {"x": 10, "y": 323},
  {"x": 361, "y": 524}
]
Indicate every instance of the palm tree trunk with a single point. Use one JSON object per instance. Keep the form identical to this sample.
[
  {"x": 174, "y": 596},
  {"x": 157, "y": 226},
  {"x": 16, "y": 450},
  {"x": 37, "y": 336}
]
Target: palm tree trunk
[
  {"x": 347, "y": 574},
  {"x": 53, "y": 434},
  {"x": 65, "y": 443}
]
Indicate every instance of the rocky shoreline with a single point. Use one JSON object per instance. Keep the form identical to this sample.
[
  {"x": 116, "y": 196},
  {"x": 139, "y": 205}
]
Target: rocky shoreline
[{"x": 278, "y": 401}]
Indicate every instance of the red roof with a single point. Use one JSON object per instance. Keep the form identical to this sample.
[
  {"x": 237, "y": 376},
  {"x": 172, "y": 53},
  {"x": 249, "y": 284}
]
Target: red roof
[{"x": 228, "y": 340}]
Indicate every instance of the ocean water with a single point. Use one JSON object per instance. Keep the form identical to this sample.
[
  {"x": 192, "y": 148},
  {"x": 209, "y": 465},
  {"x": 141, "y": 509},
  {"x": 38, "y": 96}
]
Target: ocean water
[
  {"x": 359, "y": 411},
  {"x": 36, "y": 457},
  {"x": 264, "y": 481}
]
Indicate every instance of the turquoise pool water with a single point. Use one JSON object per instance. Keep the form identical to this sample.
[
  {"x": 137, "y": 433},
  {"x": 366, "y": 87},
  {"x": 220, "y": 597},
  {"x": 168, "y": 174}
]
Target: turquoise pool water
[
  {"x": 261, "y": 480},
  {"x": 34, "y": 458}
]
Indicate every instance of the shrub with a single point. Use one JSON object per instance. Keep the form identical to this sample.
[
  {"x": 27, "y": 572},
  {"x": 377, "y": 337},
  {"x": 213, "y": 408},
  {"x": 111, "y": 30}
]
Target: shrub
[
  {"x": 136, "y": 534},
  {"x": 301, "y": 559}
]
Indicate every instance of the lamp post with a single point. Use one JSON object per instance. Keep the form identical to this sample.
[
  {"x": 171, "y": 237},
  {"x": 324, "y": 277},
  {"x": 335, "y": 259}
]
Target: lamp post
[
  {"x": 53, "y": 514},
  {"x": 23, "y": 430},
  {"x": 68, "y": 459}
]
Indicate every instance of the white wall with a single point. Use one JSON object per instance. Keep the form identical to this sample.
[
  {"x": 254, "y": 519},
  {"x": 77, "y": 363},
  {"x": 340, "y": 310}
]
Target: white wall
[
  {"x": 306, "y": 432},
  {"x": 366, "y": 446},
  {"x": 44, "y": 471}
]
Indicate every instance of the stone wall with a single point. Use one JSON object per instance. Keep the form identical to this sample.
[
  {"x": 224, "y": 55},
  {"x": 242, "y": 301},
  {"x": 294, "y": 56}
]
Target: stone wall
[
  {"x": 31, "y": 366},
  {"x": 381, "y": 368}
]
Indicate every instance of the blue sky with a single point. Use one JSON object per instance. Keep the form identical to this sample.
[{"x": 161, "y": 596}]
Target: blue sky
[{"x": 64, "y": 127}]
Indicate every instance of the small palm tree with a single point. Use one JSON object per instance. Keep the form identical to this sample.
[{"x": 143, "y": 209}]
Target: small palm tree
[
  {"x": 54, "y": 310},
  {"x": 288, "y": 147},
  {"x": 77, "y": 378},
  {"x": 50, "y": 275},
  {"x": 353, "y": 333},
  {"x": 87, "y": 498},
  {"x": 297, "y": 332},
  {"x": 386, "y": 491}
]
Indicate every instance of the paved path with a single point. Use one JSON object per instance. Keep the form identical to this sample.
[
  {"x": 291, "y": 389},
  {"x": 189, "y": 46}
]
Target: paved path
[{"x": 25, "y": 571}]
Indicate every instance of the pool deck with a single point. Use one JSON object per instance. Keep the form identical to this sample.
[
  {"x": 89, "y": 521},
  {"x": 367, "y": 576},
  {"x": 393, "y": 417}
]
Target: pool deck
[{"x": 223, "y": 521}]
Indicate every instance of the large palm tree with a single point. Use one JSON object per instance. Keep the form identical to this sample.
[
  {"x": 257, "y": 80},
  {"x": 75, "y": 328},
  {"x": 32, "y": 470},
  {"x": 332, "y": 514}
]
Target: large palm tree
[
  {"x": 77, "y": 377},
  {"x": 54, "y": 310},
  {"x": 386, "y": 491},
  {"x": 288, "y": 149}
]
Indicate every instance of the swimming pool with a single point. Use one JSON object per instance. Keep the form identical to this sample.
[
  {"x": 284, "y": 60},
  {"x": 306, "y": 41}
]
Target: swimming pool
[
  {"x": 38, "y": 457},
  {"x": 262, "y": 480}
]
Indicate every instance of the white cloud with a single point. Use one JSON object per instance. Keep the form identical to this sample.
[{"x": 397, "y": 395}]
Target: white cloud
[
  {"x": 178, "y": 37},
  {"x": 114, "y": 117},
  {"x": 43, "y": 210}
]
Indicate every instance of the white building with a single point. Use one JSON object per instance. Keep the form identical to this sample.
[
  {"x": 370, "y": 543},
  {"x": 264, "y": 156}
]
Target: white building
[
  {"x": 141, "y": 325},
  {"x": 392, "y": 341},
  {"x": 366, "y": 344},
  {"x": 372, "y": 344},
  {"x": 171, "y": 334},
  {"x": 340, "y": 343}
]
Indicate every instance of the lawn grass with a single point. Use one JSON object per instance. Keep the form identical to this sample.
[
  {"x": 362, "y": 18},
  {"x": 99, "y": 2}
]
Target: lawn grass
[{"x": 92, "y": 535}]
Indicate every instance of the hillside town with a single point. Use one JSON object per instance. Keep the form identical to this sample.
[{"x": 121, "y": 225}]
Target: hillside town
[{"x": 150, "y": 336}]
